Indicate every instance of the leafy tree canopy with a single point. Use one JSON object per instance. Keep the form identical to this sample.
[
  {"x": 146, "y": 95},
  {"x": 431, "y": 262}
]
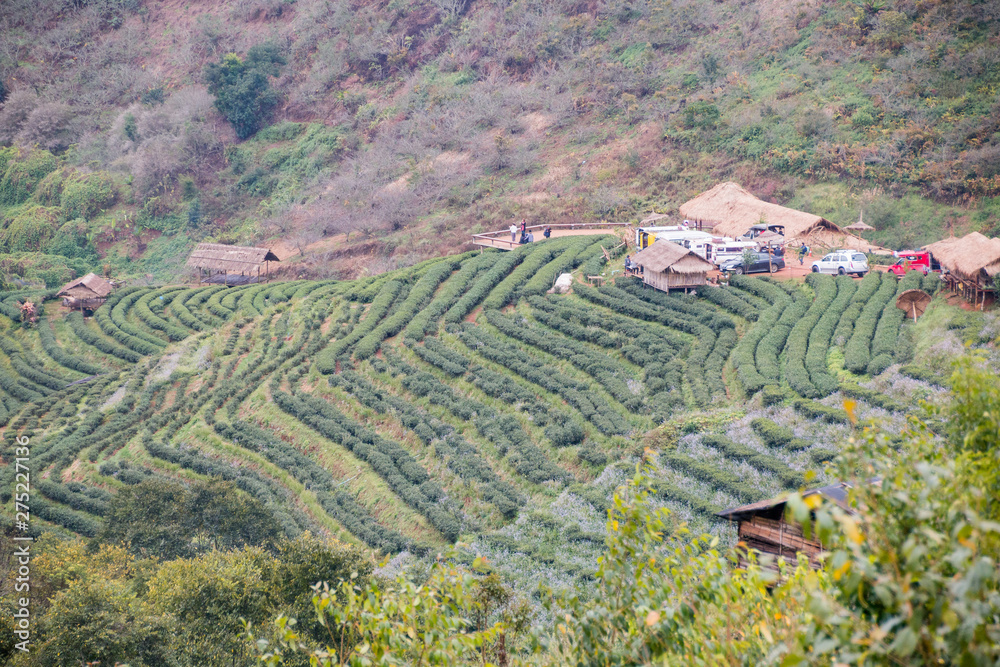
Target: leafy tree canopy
[{"x": 242, "y": 87}]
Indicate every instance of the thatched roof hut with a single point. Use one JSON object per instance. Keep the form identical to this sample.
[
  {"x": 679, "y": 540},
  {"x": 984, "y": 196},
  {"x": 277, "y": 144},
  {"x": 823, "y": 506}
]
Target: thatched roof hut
[
  {"x": 90, "y": 286},
  {"x": 667, "y": 265},
  {"x": 733, "y": 211},
  {"x": 972, "y": 257},
  {"x": 88, "y": 292},
  {"x": 214, "y": 258}
]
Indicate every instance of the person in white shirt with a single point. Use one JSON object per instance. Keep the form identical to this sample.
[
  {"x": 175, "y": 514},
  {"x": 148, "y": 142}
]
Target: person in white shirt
[{"x": 513, "y": 232}]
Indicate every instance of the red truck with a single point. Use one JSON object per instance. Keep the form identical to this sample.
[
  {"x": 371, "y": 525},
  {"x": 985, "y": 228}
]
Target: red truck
[{"x": 914, "y": 261}]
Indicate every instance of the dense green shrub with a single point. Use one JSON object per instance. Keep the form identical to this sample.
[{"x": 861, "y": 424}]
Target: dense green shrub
[
  {"x": 87, "y": 195},
  {"x": 23, "y": 172},
  {"x": 242, "y": 87},
  {"x": 862, "y": 295},
  {"x": 30, "y": 229}
]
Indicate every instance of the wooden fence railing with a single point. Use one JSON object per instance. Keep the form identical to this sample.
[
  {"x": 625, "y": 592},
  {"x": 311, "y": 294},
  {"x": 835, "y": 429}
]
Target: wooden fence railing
[{"x": 501, "y": 239}]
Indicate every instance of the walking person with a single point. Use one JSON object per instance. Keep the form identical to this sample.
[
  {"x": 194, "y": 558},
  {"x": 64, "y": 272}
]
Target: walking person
[
  {"x": 548, "y": 232},
  {"x": 802, "y": 253},
  {"x": 513, "y": 232}
]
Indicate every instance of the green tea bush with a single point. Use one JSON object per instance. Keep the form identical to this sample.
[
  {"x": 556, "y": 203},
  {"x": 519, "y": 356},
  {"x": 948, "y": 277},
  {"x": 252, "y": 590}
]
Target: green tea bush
[
  {"x": 389, "y": 460},
  {"x": 144, "y": 312},
  {"x": 417, "y": 298},
  {"x": 857, "y": 352},
  {"x": 326, "y": 361},
  {"x": 816, "y": 410},
  {"x": 605, "y": 370},
  {"x": 825, "y": 289},
  {"x": 711, "y": 474},
  {"x": 774, "y": 435},
  {"x": 577, "y": 394},
  {"x": 821, "y": 335},
  {"x": 111, "y": 318},
  {"x": 724, "y": 297},
  {"x": 536, "y": 256},
  {"x": 871, "y": 397},
  {"x": 773, "y": 395},
  {"x": 764, "y": 462},
  {"x": 426, "y": 320},
  {"x": 80, "y": 329},
  {"x": 485, "y": 284},
  {"x": 865, "y": 291},
  {"x": 773, "y": 342}
]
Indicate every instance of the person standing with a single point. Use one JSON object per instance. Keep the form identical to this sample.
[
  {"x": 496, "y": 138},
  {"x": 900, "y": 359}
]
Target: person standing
[
  {"x": 513, "y": 232},
  {"x": 524, "y": 227},
  {"x": 548, "y": 232}
]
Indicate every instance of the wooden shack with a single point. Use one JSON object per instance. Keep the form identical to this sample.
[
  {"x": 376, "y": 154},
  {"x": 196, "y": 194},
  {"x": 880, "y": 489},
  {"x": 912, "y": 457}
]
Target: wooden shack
[
  {"x": 762, "y": 526},
  {"x": 668, "y": 266},
  {"x": 86, "y": 293},
  {"x": 969, "y": 265},
  {"x": 230, "y": 264}
]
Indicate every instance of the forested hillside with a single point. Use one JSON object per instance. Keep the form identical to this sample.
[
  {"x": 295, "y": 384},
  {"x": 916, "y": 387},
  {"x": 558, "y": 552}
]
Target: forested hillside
[
  {"x": 136, "y": 128},
  {"x": 279, "y": 434}
]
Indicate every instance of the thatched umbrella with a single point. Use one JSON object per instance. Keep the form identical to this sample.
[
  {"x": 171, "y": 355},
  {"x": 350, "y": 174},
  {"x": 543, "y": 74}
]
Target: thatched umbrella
[
  {"x": 860, "y": 225},
  {"x": 913, "y": 302}
]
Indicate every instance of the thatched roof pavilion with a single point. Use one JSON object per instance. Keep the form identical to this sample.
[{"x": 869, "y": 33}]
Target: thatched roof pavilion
[
  {"x": 89, "y": 292},
  {"x": 971, "y": 257},
  {"x": 972, "y": 261},
  {"x": 667, "y": 266},
  {"x": 732, "y": 211},
  {"x": 216, "y": 258}
]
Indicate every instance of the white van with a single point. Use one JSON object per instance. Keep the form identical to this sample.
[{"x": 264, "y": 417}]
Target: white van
[{"x": 728, "y": 249}]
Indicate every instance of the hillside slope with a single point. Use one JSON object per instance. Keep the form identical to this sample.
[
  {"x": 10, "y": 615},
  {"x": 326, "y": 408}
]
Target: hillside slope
[
  {"x": 452, "y": 401},
  {"x": 406, "y": 125}
]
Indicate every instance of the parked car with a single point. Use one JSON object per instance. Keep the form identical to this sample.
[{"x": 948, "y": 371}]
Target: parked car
[
  {"x": 842, "y": 262},
  {"x": 762, "y": 263},
  {"x": 915, "y": 261},
  {"x": 757, "y": 230}
]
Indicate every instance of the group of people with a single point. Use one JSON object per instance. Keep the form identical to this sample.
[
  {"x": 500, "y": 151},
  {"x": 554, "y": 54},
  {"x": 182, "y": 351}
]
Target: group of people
[{"x": 526, "y": 236}]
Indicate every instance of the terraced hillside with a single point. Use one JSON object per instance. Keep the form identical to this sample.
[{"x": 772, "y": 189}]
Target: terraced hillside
[{"x": 451, "y": 402}]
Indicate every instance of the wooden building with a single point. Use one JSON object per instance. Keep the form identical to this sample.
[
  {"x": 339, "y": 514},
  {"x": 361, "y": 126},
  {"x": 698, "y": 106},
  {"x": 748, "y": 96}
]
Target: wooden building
[
  {"x": 86, "y": 293},
  {"x": 762, "y": 526},
  {"x": 230, "y": 264},
  {"x": 969, "y": 265},
  {"x": 668, "y": 266}
]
